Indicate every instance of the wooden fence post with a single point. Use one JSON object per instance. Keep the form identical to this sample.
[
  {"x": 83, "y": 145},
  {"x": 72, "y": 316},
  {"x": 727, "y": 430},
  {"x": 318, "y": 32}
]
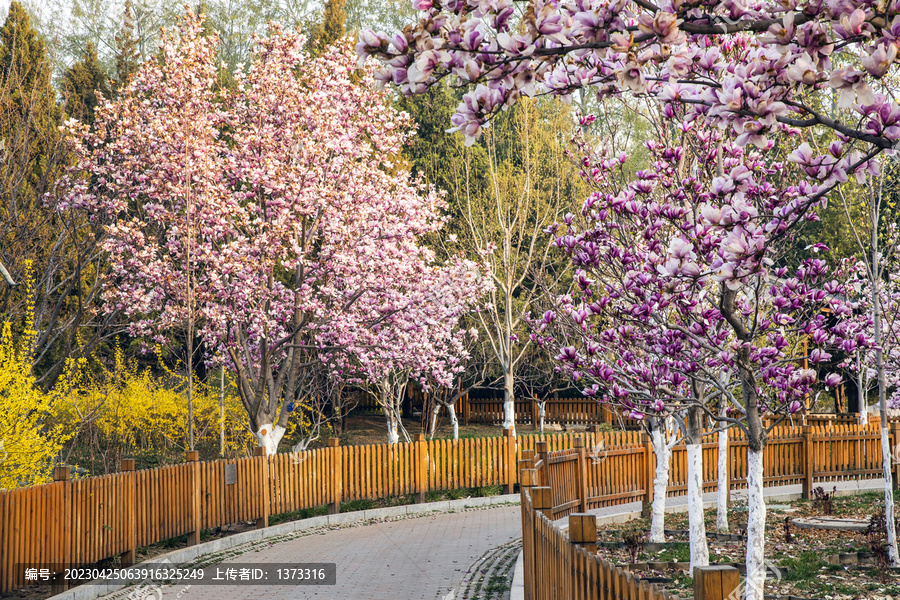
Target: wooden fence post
[
  {"x": 263, "y": 463},
  {"x": 529, "y": 456},
  {"x": 542, "y": 500},
  {"x": 581, "y": 474},
  {"x": 716, "y": 583},
  {"x": 511, "y": 470},
  {"x": 61, "y": 474},
  {"x": 192, "y": 457},
  {"x": 542, "y": 452},
  {"x": 583, "y": 531},
  {"x": 126, "y": 466},
  {"x": 649, "y": 473},
  {"x": 808, "y": 461},
  {"x": 421, "y": 467},
  {"x": 337, "y": 476}
]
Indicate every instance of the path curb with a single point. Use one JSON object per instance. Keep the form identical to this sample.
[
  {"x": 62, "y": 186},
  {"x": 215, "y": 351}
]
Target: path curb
[{"x": 98, "y": 588}]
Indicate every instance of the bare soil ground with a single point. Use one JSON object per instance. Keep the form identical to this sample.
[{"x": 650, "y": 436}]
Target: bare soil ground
[{"x": 803, "y": 558}]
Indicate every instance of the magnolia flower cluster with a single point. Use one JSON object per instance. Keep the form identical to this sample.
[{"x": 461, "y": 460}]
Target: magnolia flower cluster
[
  {"x": 677, "y": 283},
  {"x": 749, "y": 67}
]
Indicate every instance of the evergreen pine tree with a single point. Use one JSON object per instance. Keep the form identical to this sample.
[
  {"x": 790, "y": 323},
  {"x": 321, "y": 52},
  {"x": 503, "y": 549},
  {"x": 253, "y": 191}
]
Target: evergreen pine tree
[
  {"x": 127, "y": 55},
  {"x": 81, "y": 83},
  {"x": 29, "y": 115},
  {"x": 331, "y": 29}
]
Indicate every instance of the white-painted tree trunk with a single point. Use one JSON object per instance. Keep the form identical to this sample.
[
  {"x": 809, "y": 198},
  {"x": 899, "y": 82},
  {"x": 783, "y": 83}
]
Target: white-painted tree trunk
[
  {"x": 393, "y": 428},
  {"x": 269, "y": 437},
  {"x": 699, "y": 547},
  {"x": 756, "y": 528},
  {"x": 451, "y": 409},
  {"x": 723, "y": 483},
  {"x": 509, "y": 402},
  {"x": 887, "y": 455},
  {"x": 434, "y": 417},
  {"x": 663, "y": 453},
  {"x": 542, "y": 411},
  {"x": 862, "y": 397}
]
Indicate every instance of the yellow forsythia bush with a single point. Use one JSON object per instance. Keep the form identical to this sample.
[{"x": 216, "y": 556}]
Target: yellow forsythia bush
[
  {"x": 127, "y": 409},
  {"x": 31, "y": 434}
]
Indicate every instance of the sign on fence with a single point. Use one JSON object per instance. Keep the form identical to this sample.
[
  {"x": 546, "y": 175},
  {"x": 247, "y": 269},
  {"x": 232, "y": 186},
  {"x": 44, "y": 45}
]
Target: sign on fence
[{"x": 230, "y": 474}]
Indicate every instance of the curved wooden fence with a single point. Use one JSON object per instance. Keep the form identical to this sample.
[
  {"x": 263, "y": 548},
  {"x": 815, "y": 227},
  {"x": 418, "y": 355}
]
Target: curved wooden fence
[{"x": 74, "y": 523}]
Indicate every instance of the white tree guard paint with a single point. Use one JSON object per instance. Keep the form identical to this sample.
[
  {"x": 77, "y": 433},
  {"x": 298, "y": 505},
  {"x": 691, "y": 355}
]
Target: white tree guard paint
[
  {"x": 392, "y": 427},
  {"x": 269, "y": 436},
  {"x": 887, "y": 455},
  {"x": 434, "y": 417},
  {"x": 756, "y": 528},
  {"x": 697, "y": 539},
  {"x": 663, "y": 453},
  {"x": 509, "y": 403},
  {"x": 724, "y": 483},
  {"x": 453, "y": 420}
]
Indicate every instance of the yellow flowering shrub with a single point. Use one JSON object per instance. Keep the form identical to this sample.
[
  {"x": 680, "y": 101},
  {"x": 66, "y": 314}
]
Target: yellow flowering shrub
[
  {"x": 127, "y": 410},
  {"x": 30, "y": 435}
]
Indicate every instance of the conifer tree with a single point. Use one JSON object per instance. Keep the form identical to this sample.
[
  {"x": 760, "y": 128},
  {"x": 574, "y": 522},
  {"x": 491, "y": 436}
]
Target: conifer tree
[
  {"x": 127, "y": 55},
  {"x": 81, "y": 83},
  {"x": 331, "y": 29},
  {"x": 29, "y": 116}
]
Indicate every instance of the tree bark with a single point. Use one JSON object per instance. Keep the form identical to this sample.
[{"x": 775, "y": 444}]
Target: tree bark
[
  {"x": 451, "y": 409},
  {"x": 663, "y": 453},
  {"x": 862, "y": 397},
  {"x": 694, "y": 444},
  {"x": 509, "y": 402},
  {"x": 756, "y": 528},
  {"x": 886, "y": 453},
  {"x": 724, "y": 483}
]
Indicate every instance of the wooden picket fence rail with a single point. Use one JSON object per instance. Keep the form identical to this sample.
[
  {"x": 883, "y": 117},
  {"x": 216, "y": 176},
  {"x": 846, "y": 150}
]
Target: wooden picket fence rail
[
  {"x": 619, "y": 469},
  {"x": 80, "y": 522},
  {"x": 564, "y": 564}
]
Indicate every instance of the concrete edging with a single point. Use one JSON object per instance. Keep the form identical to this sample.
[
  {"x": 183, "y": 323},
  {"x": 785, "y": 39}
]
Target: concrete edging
[{"x": 98, "y": 588}]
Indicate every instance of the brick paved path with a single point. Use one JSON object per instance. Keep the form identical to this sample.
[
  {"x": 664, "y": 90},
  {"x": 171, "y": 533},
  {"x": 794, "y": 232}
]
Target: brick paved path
[{"x": 424, "y": 557}]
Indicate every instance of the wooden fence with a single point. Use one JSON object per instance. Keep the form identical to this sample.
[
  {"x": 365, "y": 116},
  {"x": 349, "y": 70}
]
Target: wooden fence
[
  {"x": 564, "y": 564},
  {"x": 81, "y": 522}
]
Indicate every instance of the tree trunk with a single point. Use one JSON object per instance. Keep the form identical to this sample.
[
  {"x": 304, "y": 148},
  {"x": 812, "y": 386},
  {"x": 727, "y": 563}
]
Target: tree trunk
[
  {"x": 542, "y": 411},
  {"x": 509, "y": 402},
  {"x": 694, "y": 443},
  {"x": 434, "y": 417},
  {"x": 269, "y": 436},
  {"x": 863, "y": 400},
  {"x": 393, "y": 429},
  {"x": 756, "y": 527},
  {"x": 886, "y": 454},
  {"x": 660, "y": 484},
  {"x": 723, "y": 483},
  {"x": 451, "y": 409}
]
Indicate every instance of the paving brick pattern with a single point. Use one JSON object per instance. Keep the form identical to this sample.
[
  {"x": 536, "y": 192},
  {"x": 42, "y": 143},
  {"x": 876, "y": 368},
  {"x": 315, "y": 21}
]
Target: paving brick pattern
[{"x": 425, "y": 557}]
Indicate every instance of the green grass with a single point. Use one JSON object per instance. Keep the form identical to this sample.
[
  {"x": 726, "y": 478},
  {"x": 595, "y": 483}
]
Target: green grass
[
  {"x": 360, "y": 504},
  {"x": 804, "y": 567},
  {"x": 304, "y": 513},
  {"x": 677, "y": 552}
]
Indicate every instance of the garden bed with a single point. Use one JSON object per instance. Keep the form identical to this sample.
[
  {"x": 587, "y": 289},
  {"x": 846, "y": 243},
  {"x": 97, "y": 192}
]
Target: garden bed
[{"x": 804, "y": 563}]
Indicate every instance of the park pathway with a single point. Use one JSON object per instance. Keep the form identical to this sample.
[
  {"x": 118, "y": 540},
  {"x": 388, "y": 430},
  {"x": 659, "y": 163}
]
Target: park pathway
[{"x": 425, "y": 557}]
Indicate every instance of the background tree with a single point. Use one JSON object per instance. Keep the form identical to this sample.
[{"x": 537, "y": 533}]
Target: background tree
[{"x": 81, "y": 84}]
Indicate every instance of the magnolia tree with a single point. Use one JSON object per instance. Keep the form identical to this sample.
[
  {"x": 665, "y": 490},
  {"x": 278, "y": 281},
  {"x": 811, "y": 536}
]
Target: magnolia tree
[
  {"x": 678, "y": 263},
  {"x": 299, "y": 221},
  {"x": 415, "y": 331},
  {"x": 755, "y": 69}
]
